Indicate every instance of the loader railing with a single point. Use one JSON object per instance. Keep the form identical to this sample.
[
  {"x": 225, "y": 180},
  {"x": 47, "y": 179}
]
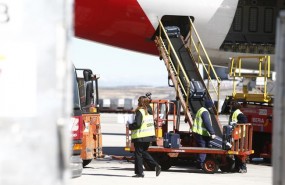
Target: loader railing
[
  {"x": 183, "y": 92},
  {"x": 177, "y": 72},
  {"x": 162, "y": 116},
  {"x": 242, "y": 139},
  {"x": 198, "y": 51},
  {"x": 195, "y": 46},
  {"x": 179, "y": 69},
  {"x": 263, "y": 66}
]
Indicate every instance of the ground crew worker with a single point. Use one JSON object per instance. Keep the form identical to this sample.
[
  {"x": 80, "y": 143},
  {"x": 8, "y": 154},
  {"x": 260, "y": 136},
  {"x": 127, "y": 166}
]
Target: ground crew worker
[
  {"x": 203, "y": 130},
  {"x": 237, "y": 116},
  {"x": 148, "y": 95},
  {"x": 143, "y": 132}
]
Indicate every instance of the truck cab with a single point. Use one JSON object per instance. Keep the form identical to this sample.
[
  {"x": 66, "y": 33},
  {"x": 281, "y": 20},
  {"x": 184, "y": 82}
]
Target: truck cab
[
  {"x": 86, "y": 127},
  {"x": 76, "y": 130}
]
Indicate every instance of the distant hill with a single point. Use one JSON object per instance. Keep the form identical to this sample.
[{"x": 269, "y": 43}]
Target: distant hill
[{"x": 134, "y": 92}]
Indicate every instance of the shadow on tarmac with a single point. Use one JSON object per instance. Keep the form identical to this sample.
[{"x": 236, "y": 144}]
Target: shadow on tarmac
[
  {"x": 114, "y": 134},
  {"x": 107, "y": 175},
  {"x": 117, "y": 151}
]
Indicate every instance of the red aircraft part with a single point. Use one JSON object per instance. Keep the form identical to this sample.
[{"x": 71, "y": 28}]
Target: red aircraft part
[{"x": 108, "y": 25}]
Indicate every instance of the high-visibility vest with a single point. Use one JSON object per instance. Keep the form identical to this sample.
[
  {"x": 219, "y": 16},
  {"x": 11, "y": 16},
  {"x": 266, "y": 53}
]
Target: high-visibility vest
[
  {"x": 147, "y": 126},
  {"x": 235, "y": 115},
  {"x": 235, "y": 119},
  {"x": 198, "y": 126}
]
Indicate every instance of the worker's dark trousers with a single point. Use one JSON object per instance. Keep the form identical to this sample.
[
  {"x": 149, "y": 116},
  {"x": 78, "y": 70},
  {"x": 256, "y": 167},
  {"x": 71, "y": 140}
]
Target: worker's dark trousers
[
  {"x": 202, "y": 141},
  {"x": 142, "y": 154},
  {"x": 239, "y": 165}
]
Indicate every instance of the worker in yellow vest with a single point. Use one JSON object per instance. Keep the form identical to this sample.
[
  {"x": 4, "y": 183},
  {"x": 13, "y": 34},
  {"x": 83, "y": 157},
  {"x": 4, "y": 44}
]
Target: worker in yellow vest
[
  {"x": 143, "y": 132},
  {"x": 203, "y": 130},
  {"x": 236, "y": 114},
  {"x": 238, "y": 117}
]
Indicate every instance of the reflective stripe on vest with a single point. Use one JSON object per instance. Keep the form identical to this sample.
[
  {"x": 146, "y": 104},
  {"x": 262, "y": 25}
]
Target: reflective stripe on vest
[
  {"x": 147, "y": 127},
  {"x": 198, "y": 126},
  {"x": 235, "y": 115}
]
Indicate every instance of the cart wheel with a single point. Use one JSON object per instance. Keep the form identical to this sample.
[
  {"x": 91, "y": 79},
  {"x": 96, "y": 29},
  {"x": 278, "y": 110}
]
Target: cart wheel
[
  {"x": 165, "y": 165},
  {"x": 162, "y": 159},
  {"x": 210, "y": 165},
  {"x": 229, "y": 166}
]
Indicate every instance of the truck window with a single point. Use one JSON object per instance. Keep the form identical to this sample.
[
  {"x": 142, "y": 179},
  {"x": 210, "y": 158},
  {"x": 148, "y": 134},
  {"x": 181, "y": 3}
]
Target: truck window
[{"x": 76, "y": 98}]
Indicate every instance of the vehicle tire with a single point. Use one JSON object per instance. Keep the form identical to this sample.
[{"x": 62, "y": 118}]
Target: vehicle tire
[
  {"x": 165, "y": 165},
  {"x": 267, "y": 160},
  {"x": 162, "y": 159},
  {"x": 210, "y": 166},
  {"x": 86, "y": 162},
  {"x": 229, "y": 166}
]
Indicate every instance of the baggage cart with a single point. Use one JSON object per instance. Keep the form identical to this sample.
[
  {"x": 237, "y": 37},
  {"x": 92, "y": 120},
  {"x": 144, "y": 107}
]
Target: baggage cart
[{"x": 217, "y": 158}]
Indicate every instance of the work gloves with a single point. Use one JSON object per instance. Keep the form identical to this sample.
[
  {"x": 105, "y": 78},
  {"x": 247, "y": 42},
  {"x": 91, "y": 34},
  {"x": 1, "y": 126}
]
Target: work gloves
[{"x": 213, "y": 136}]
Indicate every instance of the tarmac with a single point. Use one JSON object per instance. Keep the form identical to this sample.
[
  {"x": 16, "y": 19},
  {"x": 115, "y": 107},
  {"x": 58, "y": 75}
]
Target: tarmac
[{"x": 116, "y": 168}]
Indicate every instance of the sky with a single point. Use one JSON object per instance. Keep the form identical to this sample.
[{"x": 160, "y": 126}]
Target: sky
[{"x": 118, "y": 67}]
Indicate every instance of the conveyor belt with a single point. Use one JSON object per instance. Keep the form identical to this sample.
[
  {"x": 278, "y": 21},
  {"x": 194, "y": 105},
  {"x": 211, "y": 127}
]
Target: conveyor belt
[{"x": 192, "y": 72}]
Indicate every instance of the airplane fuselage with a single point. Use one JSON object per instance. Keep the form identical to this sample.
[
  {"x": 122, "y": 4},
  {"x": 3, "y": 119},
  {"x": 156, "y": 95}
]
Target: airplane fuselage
[{"x": 227, "y": 27}]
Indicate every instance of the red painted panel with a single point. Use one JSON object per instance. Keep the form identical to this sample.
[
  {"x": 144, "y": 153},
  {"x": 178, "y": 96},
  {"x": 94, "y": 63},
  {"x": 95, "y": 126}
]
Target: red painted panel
[
  {"x": 77, "y": 130},
  {"x": 118, "y": 23},
  {"x": 260, "y": 117}
]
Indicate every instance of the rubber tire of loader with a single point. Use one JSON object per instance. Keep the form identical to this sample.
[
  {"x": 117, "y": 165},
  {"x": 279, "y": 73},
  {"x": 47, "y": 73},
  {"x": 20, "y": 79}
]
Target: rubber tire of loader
[
  {"x": 86, "y": 162},
  {"x": 229, "y": 166},
  {"x": 210, "y": 166},
  {"x": 162, "y": 159},
  {"x": 164, "y": 166}
]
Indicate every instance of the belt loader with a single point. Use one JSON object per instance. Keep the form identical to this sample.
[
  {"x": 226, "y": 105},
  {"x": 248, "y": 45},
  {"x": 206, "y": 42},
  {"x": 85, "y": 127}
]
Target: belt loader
[{"x": 191, "y": 92}]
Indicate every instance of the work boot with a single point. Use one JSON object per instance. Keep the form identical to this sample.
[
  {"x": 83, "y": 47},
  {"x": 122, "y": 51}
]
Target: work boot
[
  {"x": 242, "y": 171},
  {"x": 157, "y": 170}
]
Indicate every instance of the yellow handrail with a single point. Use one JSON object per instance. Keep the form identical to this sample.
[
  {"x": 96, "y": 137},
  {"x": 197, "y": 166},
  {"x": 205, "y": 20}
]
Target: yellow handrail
[
  {"x": 179, "y": 66},
  {"x": 263, "y": 71},
  {"x": 192, "y": 44}
]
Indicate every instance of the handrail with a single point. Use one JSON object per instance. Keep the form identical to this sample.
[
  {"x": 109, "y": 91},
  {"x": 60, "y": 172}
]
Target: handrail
[
  {"x": 175, "y": 79},
  {"x": 261, "y": 58},
  {"x": 179, "y": 66},
  {"x": 176, "y": 71},
  {"x": 210, "y": 68},
  {"x": 156, "y": 108},
  {"x": 242, "y": 138},
  {"x": 263, "y": 71}
]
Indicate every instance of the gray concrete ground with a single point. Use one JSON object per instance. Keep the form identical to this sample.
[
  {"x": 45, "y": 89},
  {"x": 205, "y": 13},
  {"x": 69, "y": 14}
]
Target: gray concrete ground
[{"x": 109, "y": 171}]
